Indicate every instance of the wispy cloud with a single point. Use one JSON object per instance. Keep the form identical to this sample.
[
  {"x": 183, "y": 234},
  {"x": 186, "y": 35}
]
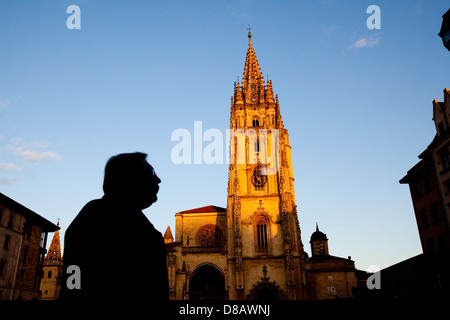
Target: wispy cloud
[
  {"x": 365, "y": 42},
  {"x": 10, "y": 167},
  {"x": 23, "y": 152},
  {"x": 34, "y": 152},
  {"x": 7, "y": 181},
  {"x": 39, "y": 157}
]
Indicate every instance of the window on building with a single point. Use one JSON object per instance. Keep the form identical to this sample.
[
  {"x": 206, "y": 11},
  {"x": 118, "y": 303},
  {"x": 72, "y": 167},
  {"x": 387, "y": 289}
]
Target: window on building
[
  {"x": 445, "y": 157},
  {"x": 25, "y": 254},
  {"x": 209, "y": 236},
  {"x": 441, "y": 128},
  {"x": 43, "y": 236},
  {"x": 428, "y": 183},
  {"x": 320, "y": 248},
  {"x": 255, "y": 123},
  {"x": 447, "y": 186},
  {"x": 10, "y": 221},
  {"x": 430, "y": 245},
  {"x": 442, "y": 246},
  {"x": 434, "y": 213},
  {"x": 7, "y": 242},
  {"x": 262, "y": 229},
  {"x": 49, "y": 274},
  {"x": 1, "y": 216},
  {"x": 2, "y": 268},
  {"x": 27, "y": 230},
  {"x": 417, "y": 189},
  {"x": 423, "y": 219}
]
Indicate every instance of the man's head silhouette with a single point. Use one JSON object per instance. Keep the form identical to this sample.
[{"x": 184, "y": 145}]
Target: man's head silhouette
[
  {"x": 130, "y": 185},
  {"x": 131, "y": 179}
]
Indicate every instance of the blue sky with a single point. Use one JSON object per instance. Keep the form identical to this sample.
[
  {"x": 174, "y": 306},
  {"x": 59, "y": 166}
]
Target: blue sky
[{"x": 356, "y": 102}]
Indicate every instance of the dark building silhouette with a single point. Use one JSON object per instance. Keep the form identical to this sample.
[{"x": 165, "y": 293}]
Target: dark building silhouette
[
  {"x": 428, "y": 274},
  {"x": 23, "y": 237},
  {"x": 429, "y": 184}
]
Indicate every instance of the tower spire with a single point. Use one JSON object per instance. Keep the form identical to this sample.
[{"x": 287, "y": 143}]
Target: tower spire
[
  {"x": 54, "y": 251},
  {"x": 252, "y": 80},
  {"x": 249, "y": 36}
]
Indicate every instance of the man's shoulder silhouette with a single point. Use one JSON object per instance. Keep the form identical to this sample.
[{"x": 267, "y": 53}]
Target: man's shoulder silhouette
[
  {"x": 103, "y": 218},
  {"x": 91, "y": 213}
]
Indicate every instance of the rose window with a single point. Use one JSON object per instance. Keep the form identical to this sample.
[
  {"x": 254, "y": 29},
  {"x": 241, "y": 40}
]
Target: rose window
[{"x": 209, "y": 236}]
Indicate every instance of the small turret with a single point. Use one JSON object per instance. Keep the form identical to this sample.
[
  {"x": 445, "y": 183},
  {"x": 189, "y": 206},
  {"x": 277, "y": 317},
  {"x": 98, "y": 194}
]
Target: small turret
[
  {"x": 319, "y": 243},
  {"x": 168, "y": 237}
]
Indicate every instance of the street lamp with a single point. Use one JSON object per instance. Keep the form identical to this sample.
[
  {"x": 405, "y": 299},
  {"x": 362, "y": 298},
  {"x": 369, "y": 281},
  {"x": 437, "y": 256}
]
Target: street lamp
[{"x": 445, "y": 30}]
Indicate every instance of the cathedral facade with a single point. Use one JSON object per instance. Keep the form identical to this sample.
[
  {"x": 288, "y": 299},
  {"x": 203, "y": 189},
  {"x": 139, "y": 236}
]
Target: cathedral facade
[{"x": 252, "y": 249}]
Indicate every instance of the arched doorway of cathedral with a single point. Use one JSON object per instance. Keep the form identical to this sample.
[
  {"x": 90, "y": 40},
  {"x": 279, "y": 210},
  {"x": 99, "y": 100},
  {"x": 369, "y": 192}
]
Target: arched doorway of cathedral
[
  {"x": 266, "y": 291},
  {"x": 207, "y": 283}
]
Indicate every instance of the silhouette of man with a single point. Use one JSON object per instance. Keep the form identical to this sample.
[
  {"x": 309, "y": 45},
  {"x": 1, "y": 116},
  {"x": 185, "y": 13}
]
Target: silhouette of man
[{"x": 120, "y": 254}]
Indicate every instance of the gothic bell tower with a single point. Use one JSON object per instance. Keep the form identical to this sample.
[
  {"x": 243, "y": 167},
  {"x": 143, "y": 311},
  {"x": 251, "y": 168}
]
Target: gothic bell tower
[
  {"x": 52, "y": 270},
  {"x": 265, "y": 251}
]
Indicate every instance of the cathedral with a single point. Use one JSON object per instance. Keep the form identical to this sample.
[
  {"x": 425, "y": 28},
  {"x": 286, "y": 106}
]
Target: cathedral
[{"x": 252, "y": 249}]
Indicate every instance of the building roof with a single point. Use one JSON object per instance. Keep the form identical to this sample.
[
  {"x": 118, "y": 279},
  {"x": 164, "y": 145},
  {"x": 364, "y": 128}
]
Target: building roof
[
  {"x": 209, "y": 208},
  {"x": 327, "y": 257},
  {"x": 417, "y": 169},
  {"x": 27, "y": 213},
  {"x": 318, "y": 235}
]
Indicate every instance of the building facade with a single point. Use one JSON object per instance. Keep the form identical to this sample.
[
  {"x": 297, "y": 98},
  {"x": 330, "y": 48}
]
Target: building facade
[
  {"x": 252, "y": 249},
  {"x": 23, "y": 237}
]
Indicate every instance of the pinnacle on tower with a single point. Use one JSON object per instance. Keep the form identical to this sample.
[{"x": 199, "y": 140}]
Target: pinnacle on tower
[{"x": 238, "y": 94}]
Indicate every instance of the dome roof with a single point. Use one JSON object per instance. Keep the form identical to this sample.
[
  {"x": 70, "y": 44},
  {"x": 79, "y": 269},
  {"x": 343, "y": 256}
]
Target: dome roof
[{"x": 318, "y": 235}]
